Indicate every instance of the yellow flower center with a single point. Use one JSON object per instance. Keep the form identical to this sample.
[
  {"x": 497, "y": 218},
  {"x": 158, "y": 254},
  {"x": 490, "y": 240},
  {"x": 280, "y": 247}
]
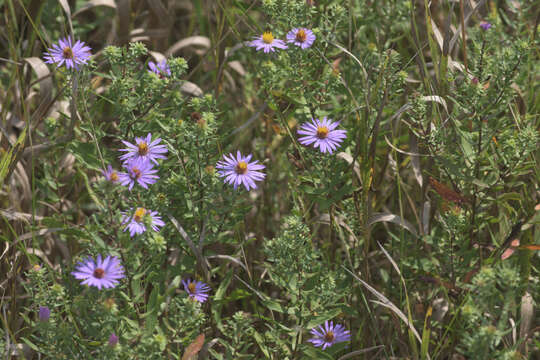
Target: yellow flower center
[
  {"x": 114, "y": 176},
  {"x": 301, "y": 35},
  {"x": 143, "y": 148},
  {"x": 137, "y": 172},
  {"x": 99, "y": 273},
  {"x": 329, "y": 337},
  {"x": 191, "y": 287},
  {"x": 67, "y": 53},
  {"x": 241, "y": 168},
  {"x": 139, "y": 213},
  {"x": 268, "y": 37},
  {"x": 322, "y": 132}
]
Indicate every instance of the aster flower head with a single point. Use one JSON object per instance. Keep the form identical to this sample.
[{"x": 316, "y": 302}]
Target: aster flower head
[
  {"x": 44, "y": 313},
  {"x": 110, "y": 174},
  {"x": 238, "y": 170},
  {"x": 113, "y": 340},
  {"x": 321, "y": 134},
  {"x": 136, "y": 223},
  {"x": 99, "y": 273},
  {"x": 485, "y": 25},
  {"x": 329, "y": 335},
  {"x": 267, "y": 43},
  {"x": 138, "y": 171},
  {"x": 144, "y": 149},
  {"x": 65, "y": 52},
  {"x": 196, "y": 290},
  {"x": 161, "y": 68},
  {"x": 301, "y": 37}
]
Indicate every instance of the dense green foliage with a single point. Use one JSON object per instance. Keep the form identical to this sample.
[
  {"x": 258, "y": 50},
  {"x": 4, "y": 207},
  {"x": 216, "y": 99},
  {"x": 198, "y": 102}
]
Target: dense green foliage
[{"x": 419, "y": 234}]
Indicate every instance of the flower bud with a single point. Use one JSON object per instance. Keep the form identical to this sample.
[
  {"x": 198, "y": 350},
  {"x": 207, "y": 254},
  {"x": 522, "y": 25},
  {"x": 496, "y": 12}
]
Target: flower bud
[
  {"x": 44, "y": 313},
  {"x": 113, "y": 340}
]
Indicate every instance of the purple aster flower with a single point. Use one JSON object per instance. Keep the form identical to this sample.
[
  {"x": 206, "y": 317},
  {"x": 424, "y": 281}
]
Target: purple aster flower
[
  {"x": 142, "y": 172},
  {"x": 329, "y": 335},
  {"x": 44, "y": 313},
  {"x": 66, "y": 52},
  {"x": 144, "y": 149},
  {"x": 196, "y": 290},
  {"x": 485, "y": 25},
  {"x": 301, "y": 37},
  {"x": 136, "y": 223},
  {"x": 110, "y": 174},
  {"x": 100, "y": 273},
  {"x": 240, "y": 171},
  {"x": 267, "y": 43},
  {"x": 113, "y": 340},
  {"x": 161, "y": 69},
  {"x": 321, "y": 134}
]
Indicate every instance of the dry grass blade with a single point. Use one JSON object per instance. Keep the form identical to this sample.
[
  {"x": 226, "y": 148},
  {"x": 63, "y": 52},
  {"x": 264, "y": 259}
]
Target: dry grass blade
[
  {"x": 424, "y": 342},
  {"x": 5, "y": 250},
  {"x": 437, "y": 33},
  {"x": 403, "y": 151},
  {"x": 191, "y": 89},
  {"x": 238, "y": 67},
  {"x": 383, "y": 300},
  {"x": 65, "y": 6},
  {"x": 20, "y": 179},
  {"x": 141, "y": 34},
  {"x": 415, "y": 160},
  {"x": 364, "y": 72},
  {"x": 425, "y": 216},
  {"x": 95, "y": 3},
  {"x": 363, "y": 351},
  {"x": 198, "y": 40},
  {"x": 394, "y": 265},
  {"x": 157, "y": 56},
  {"x": 18, "y": 216},
  {"x": 196, "y": 251},
  {"x": 325, "y": 219},
  {"x": 230, "y": 258},
  {"x": 43, "y": 77},
  {"x": 386, "y": 217},
  {"x": 193, "y": 349},
  {"x": 45, "y": 81},
  {"x": 465, "y": 21},
  {"x": 437, "y": 99},
  {"x": 349, "y": 159},
  {"x": 527, "y": 316}
]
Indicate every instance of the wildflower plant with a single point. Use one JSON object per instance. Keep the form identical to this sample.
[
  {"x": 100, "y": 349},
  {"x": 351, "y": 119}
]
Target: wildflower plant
[
  {"x": 69, "y": 53},
  {"x": 310, "y": 180}
]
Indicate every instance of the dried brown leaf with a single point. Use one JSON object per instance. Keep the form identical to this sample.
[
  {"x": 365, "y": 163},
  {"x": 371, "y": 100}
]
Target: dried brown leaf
[
  {"x": 448, "y": 194},
  {"x": 194, "y": 348}
]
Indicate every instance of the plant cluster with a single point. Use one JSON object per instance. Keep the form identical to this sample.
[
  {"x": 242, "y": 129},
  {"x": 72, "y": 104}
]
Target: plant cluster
[{"x": 295, "y": 179}]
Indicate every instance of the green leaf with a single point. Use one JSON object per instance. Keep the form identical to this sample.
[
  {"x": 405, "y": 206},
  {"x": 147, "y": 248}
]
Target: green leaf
[
  {"x": 151, "y": 312},
  {"x": 273, "y": 305},
  {"x": 32, "y": 345},
  {"x": 223, "y": 286},
  {"x": 9, "y": 159},
  {"x": 312, "y": 352},
  {"x": 261, "y": 343},
  {"x": 322, "y": 318}
]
